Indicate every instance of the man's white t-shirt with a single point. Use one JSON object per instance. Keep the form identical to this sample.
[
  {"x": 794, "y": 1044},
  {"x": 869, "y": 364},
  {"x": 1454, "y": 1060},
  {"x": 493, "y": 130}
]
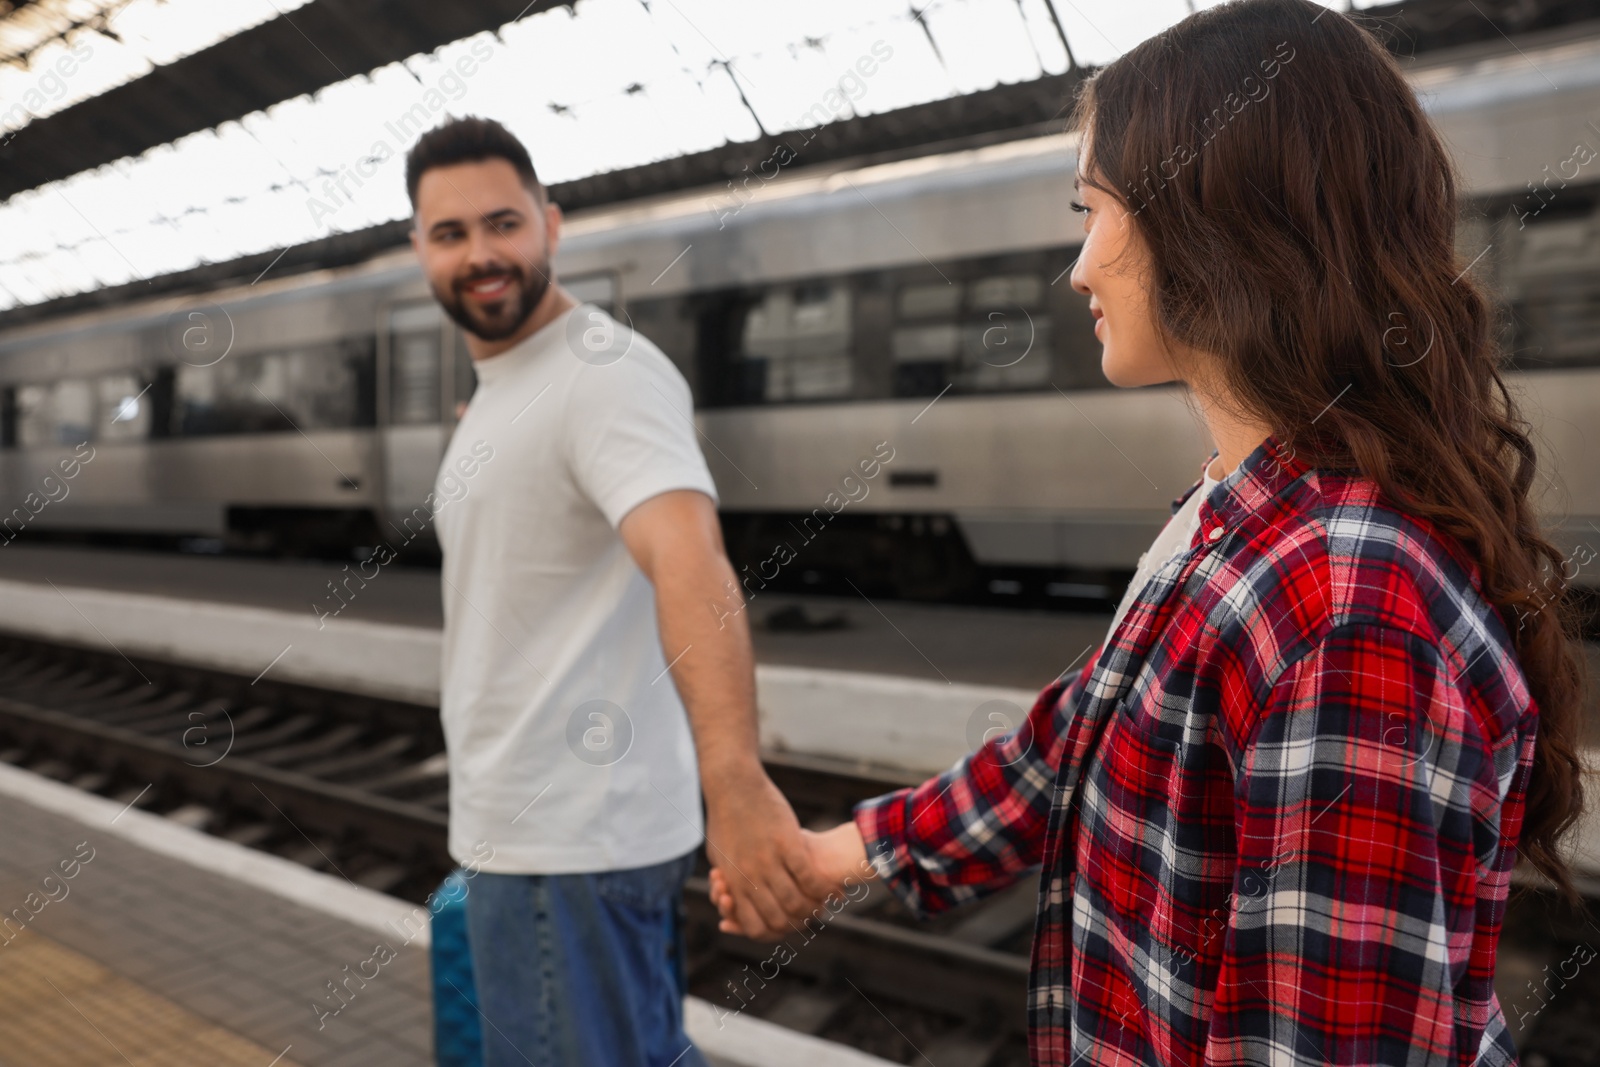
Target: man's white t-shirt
[{"x": 569, "y": 747}]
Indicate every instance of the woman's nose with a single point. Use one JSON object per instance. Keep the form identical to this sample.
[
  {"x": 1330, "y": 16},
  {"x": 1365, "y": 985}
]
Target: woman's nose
[{"x": 1078, "y": 284}]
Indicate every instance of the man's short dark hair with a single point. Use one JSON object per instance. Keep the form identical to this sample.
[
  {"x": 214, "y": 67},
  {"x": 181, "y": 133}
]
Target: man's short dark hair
[{"x": 468, "y": 140}]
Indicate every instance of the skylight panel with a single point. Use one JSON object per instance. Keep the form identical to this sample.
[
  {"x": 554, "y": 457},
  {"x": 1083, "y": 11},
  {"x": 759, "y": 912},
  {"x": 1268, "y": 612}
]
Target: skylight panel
[
  {"x": 603, "y": 86},
  {"x": 56, "y": 53}
]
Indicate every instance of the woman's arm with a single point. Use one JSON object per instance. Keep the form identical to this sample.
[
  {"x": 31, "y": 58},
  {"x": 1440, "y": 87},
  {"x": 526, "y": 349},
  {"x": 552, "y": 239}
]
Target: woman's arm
[
  {"x": 971, "y": 831},
  {"x": 960, "y": 835},
  {"x": 1376, "y": 823},
  {"x": 979, "y": 826}
]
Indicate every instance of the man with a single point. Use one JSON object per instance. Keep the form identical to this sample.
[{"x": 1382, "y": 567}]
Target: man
[{"x": 579, "y": 561}]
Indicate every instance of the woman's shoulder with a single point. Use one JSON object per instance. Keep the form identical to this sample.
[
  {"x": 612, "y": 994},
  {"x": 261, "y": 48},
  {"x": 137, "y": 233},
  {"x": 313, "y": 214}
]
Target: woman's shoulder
[
  {"x": 1384, "y": 563},
  {"x": 1329, "y": 552}
]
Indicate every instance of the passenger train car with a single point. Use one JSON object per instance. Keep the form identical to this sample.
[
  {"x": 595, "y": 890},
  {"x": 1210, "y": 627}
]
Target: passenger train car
[{"x": 914, "y": 316}]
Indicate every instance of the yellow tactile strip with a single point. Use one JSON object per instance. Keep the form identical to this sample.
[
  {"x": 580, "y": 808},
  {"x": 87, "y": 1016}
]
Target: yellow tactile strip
[{"x": 63, "y": 1009}]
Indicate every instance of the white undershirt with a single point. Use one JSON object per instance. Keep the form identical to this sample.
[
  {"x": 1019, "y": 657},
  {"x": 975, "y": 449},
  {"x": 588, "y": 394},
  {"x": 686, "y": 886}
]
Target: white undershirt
[{"x": 1174, "y": 538}]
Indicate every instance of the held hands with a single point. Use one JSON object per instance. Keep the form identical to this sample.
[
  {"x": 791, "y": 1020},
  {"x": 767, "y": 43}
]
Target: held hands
[
  {"x": 824, "y": 862},
  {"x": 752, "y": 833}
]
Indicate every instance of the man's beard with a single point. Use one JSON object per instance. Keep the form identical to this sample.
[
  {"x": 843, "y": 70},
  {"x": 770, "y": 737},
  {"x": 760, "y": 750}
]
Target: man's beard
[{"x": 496, "y": 322}]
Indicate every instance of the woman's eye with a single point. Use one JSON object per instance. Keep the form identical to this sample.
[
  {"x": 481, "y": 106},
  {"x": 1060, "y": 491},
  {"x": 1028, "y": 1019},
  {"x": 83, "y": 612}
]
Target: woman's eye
[{"x": 1082, "y": 209}]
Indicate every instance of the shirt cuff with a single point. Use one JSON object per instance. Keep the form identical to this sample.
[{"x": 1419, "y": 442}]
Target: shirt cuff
[{"x": 882, "y": 822}]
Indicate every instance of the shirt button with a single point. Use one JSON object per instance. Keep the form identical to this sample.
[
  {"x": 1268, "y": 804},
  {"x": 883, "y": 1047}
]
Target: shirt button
[{"x": 1215, "y": 534}]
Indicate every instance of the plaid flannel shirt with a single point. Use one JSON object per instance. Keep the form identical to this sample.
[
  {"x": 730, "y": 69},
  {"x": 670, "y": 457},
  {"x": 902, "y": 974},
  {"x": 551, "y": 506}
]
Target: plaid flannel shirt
[{"x": 1277, "y": 814}]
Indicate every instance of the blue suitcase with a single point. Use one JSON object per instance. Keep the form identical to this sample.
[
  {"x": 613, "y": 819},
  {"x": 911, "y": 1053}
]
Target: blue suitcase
[{"x": 457, "y": 1031}]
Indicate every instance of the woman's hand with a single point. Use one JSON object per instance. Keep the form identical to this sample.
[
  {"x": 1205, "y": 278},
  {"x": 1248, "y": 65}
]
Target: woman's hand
[{"x": 832, "y": 857}]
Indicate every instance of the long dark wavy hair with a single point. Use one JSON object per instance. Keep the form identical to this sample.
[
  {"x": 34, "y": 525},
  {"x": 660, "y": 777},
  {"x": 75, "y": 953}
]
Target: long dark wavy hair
[{"x": 1300, "y": 213}]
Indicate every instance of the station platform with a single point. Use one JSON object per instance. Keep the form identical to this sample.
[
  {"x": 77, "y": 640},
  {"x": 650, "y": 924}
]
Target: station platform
[
  {"x": 896, "y": 686},
  {"x": 129, "y": 939},
  {"x": 143, "y": 956},
  {"x": 976, "y": 645}
]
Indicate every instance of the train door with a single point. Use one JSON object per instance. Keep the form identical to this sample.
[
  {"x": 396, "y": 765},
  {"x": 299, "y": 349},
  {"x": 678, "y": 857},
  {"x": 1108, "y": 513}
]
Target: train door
[{"x": 414, "y": 414}]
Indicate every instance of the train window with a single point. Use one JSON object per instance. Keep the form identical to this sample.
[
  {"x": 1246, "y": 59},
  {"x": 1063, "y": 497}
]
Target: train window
[
  {"x": 322, "y": 388},
  {"x": 1550, "y": 285},
  {"x": 795, "y": 343},
  {"x": 915, "y": 344},
  {"x": 1006, "y": 350},
  {"x": 1006, "y": 291},
  {"x": 1007, "y": 342},
  {"x": 125, "y": 408},
  {"x": 999, "y": 323},
  {"x": 61, "y": 413},
  {"x": 74, "y": 411},
  {"x": 669, "y": 324},
  {"x": 35, "y": 420},
  {"x": 116, "y": 407},
  {"x": 922, "y": 301},
  {"x": 984, "y": 334},
  {"x": 922, "y": 356},
  {"x": 415, "y": 332}
]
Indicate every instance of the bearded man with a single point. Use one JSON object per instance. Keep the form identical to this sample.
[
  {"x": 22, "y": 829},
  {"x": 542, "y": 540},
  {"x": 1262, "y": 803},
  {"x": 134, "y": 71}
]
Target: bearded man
[{"x": 588, "y": 693}]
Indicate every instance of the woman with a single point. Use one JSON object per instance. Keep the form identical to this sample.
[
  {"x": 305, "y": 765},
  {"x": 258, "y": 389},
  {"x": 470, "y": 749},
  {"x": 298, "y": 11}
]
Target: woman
[{"x": 1277, "y": 815}]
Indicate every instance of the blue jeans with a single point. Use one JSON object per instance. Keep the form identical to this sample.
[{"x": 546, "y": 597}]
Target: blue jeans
[{"x": 581, "y": 969}]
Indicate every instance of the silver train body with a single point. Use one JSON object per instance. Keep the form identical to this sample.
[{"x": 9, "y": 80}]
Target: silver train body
[{"x": 821, "y": 315}]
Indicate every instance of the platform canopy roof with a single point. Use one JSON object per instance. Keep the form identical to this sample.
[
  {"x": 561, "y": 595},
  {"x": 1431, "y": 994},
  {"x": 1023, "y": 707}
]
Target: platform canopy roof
[
  {"x": 111, "y": 44},
  {"x": 148, "y": 138}
]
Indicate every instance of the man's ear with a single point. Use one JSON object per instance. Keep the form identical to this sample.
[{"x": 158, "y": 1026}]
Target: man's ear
[
  {"x": 552, "y": 225},
  {"x": 416, "y": 240}
]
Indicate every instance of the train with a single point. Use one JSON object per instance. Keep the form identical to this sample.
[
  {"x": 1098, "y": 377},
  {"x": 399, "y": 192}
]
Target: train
[{"x": 824, "y": 316}]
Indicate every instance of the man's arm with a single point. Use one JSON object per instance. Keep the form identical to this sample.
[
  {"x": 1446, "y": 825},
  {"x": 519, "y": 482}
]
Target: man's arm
[{"x": 751, "y": 832}]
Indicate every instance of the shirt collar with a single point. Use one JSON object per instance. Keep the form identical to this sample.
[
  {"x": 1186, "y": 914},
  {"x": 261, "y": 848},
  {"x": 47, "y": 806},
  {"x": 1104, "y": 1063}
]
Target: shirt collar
[
  {"x": 505, "y": 363},
  {"x": 1249, "y": 488}
]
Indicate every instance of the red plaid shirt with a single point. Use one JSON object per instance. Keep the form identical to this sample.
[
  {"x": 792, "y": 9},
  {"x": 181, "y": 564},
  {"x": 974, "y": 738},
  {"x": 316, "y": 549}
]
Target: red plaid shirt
[{"x": 1277, "y": 814}]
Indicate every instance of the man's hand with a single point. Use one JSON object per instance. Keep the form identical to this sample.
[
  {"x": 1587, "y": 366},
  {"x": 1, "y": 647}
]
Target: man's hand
[
  {"x": 750, "y": 830},
  {"x": 830, "y": 858},
  {"x": 753, "y": 836}
]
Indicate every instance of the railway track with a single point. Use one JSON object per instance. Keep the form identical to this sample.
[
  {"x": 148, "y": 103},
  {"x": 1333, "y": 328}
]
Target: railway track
[{"x": 357, "y": 786}]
